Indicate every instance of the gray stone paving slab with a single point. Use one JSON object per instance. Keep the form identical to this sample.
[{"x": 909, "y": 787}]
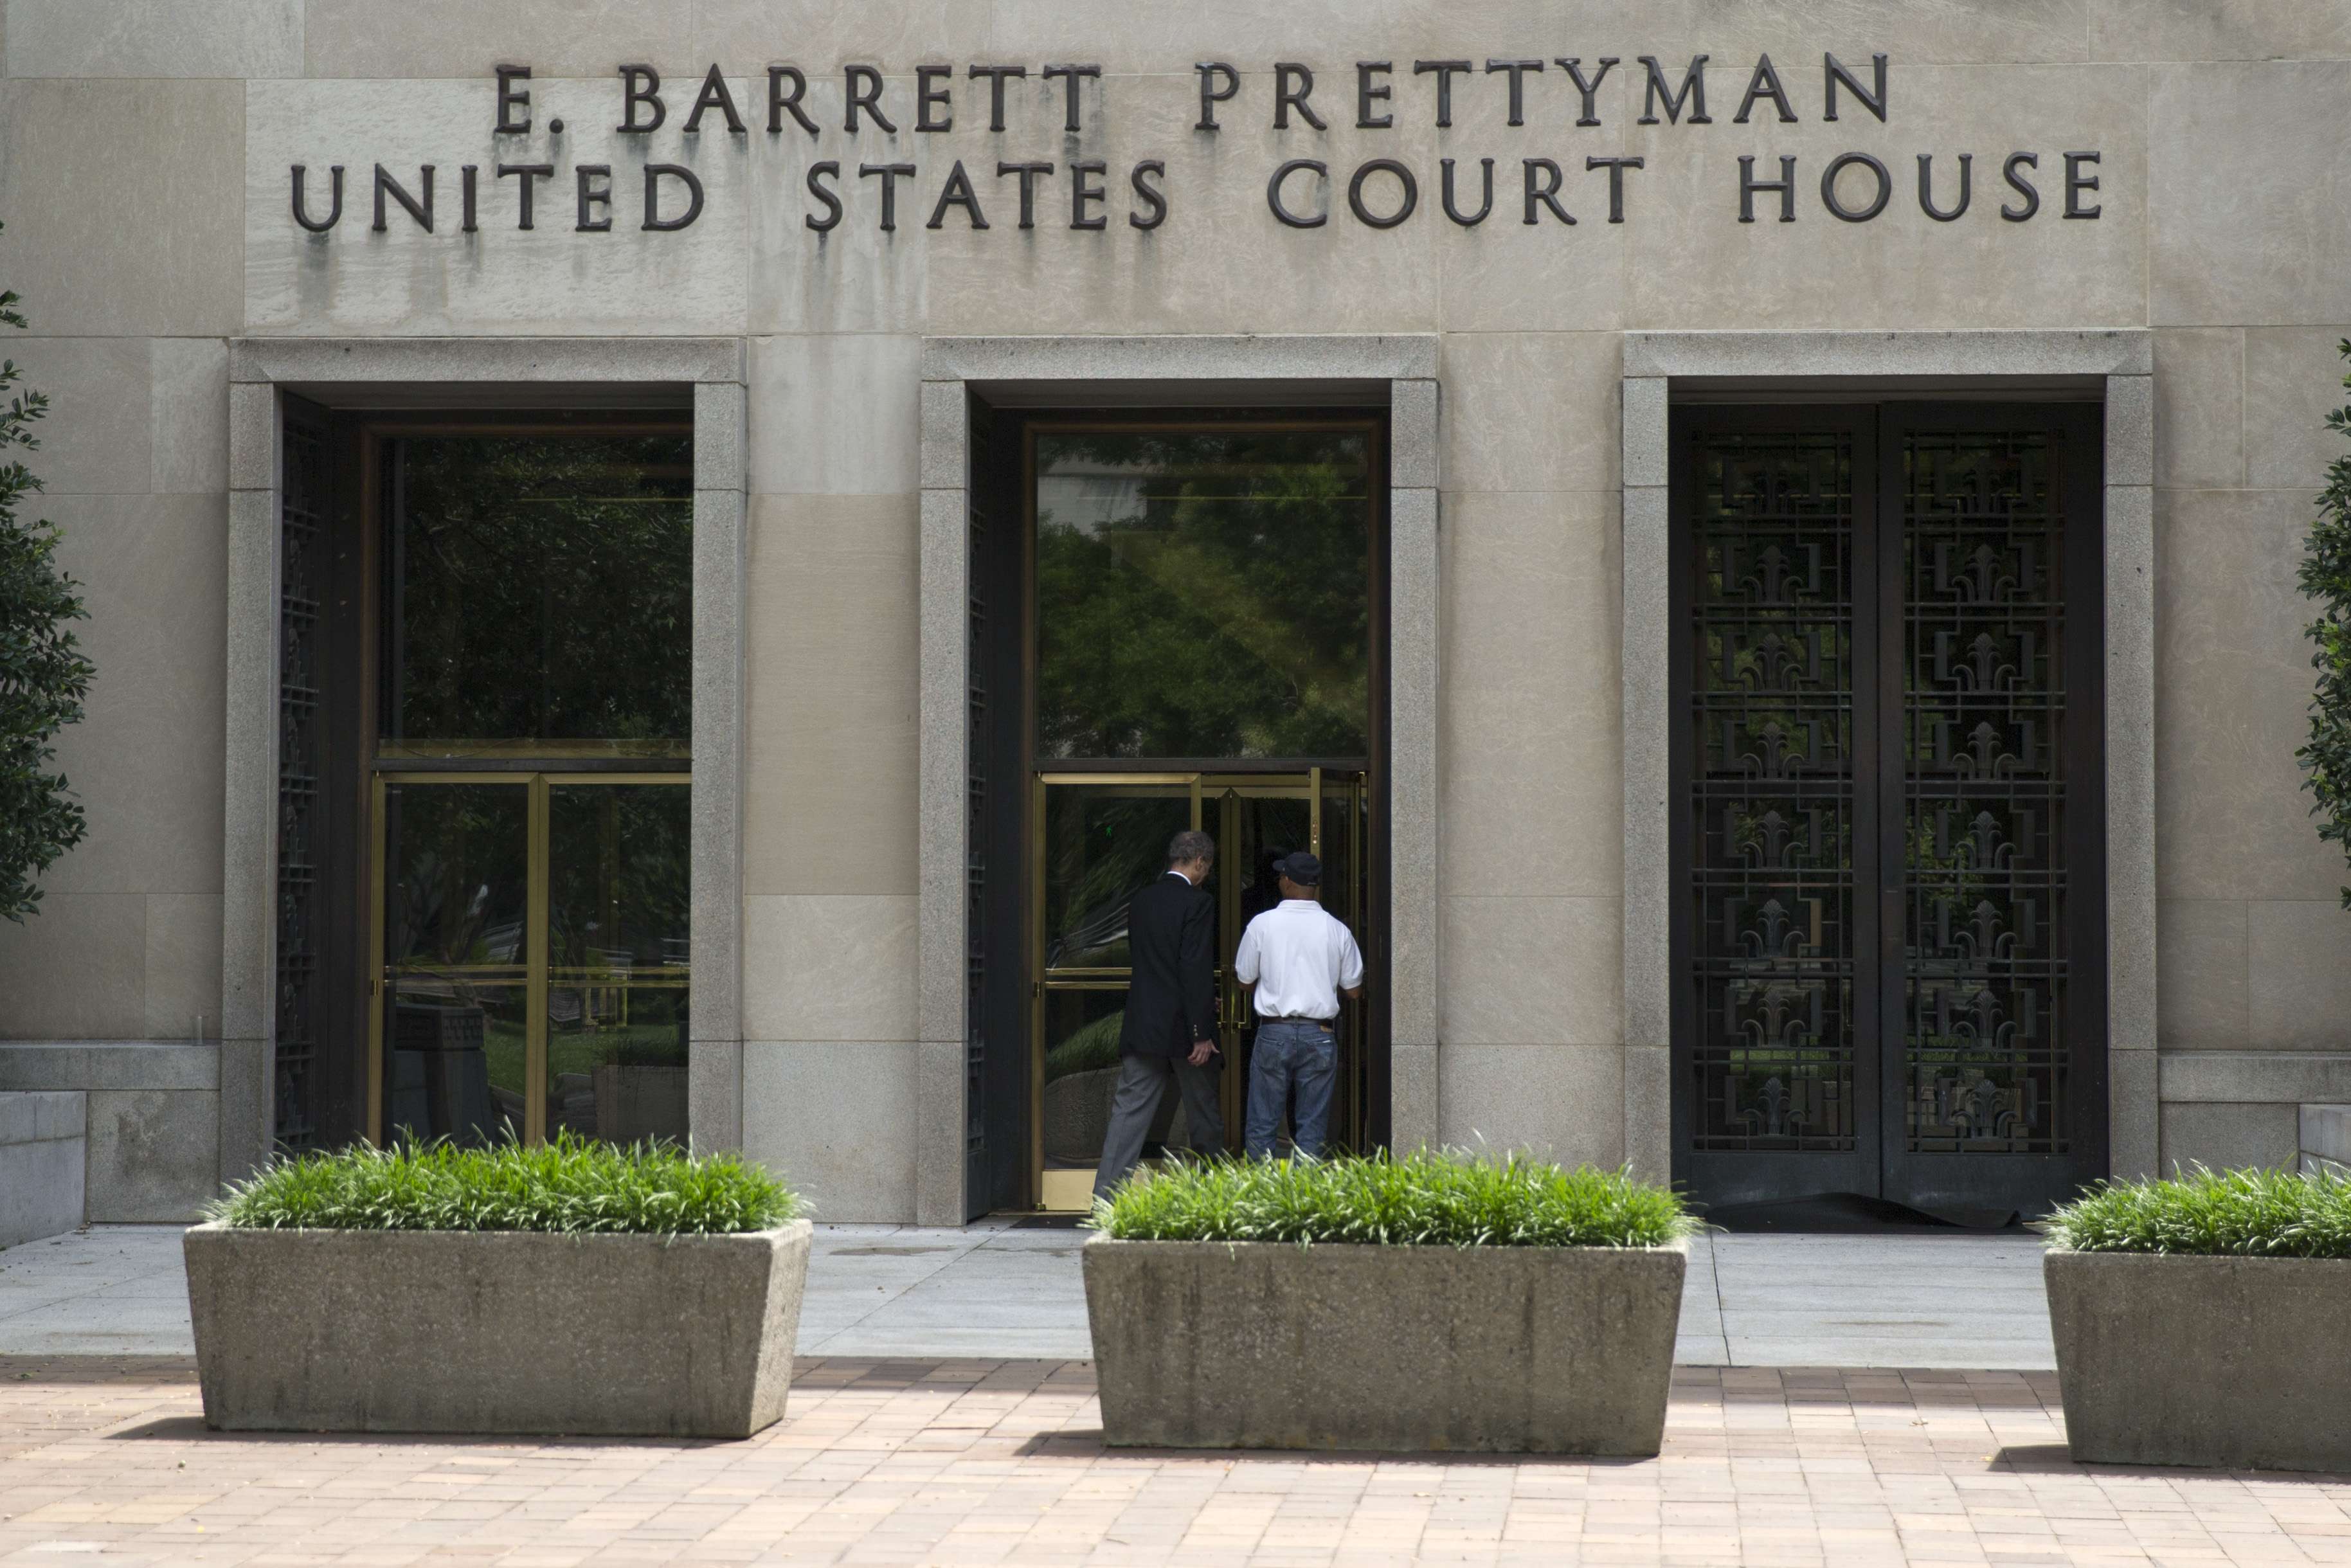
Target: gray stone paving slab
[
  {"x": 995, "y": 1290},
  {"x": 1699, "y": 1341},
  {"x": 114, "y": 1290},
  {"x": 1912, "y": 1351},
  {"x": 988, "y": 1289},
  {"x": 1929, "y": 1302}
]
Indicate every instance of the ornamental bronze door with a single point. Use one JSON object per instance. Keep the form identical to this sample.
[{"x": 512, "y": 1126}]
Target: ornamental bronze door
[{"x": 1889, "y": 929}]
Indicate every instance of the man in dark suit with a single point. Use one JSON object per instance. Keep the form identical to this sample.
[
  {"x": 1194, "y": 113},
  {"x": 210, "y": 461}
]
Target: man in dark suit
[{"x": 1169, "y": 1031}]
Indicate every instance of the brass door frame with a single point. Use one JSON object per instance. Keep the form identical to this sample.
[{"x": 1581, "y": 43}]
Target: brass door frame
[
  {"x": 536, "y": 900},
  {"x": 1230, "y": 788}
]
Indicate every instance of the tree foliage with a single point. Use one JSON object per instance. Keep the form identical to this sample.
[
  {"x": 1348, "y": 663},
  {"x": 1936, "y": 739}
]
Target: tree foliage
[
  {"x": 2326, "y": 577},
  {"x": 545, "y": 589},
  {"x": 1214, "y": 601},
  {"x": 43, "y": 675}
]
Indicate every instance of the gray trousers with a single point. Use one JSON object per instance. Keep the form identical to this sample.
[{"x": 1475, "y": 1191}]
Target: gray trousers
[{"x": 1141, "y": 1085}]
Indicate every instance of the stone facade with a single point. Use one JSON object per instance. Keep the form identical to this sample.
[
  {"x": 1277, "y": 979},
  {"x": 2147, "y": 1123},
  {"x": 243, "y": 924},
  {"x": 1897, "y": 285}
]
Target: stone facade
[
  {"x": 44, "y": 1161},
  {"x": 144, "y": 157}
]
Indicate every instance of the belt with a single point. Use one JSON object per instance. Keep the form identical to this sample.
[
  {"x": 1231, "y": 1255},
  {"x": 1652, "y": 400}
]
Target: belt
[{"x": 1291, "y": 1017}]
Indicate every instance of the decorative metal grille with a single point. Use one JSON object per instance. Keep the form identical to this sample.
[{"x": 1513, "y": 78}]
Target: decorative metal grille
[
  {"x": 1984, "y": 886},
  {"x": 1771, "y": 803},
  {"x": 978, "y": 738},
  {"x": 1882, "y": 942},
  {"x": 301, "y": 763}
]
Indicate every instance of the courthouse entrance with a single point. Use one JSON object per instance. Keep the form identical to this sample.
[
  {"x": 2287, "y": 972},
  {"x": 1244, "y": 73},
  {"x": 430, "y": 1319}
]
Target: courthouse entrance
[
  {"x": 1186, "y": 611},
  {"x": 485, "y": 763},
  {"x": 1889, "y": 929}
]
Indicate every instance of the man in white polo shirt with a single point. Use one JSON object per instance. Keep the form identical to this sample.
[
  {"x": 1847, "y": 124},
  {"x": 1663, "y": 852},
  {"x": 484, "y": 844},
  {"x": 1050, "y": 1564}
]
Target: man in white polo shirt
[{"x": 1300, "y": 959}]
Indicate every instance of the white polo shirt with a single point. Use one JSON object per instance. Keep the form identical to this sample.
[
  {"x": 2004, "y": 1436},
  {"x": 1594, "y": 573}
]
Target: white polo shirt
[{"x": 1300, "y": 957}]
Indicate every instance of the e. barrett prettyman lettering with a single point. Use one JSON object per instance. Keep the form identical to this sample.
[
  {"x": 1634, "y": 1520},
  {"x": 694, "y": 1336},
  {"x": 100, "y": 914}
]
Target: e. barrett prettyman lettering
[{"x": 1379, "y": 192}]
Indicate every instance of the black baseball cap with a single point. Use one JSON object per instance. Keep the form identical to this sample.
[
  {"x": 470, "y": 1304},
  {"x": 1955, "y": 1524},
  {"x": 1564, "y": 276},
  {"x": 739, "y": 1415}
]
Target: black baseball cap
[{"x": 1300, "y": 868}]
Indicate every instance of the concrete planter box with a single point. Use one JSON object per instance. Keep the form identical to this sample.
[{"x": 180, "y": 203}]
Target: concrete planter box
[
  {"x": 1544, "y": 1350},
  {"x": 2237, "y": 1362},
  {"x": 421, "y": 1331}
]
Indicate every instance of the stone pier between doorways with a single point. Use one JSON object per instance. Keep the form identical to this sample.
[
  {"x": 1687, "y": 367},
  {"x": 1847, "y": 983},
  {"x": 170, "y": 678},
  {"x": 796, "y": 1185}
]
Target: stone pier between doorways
[{"x": 999, "y": 1289}]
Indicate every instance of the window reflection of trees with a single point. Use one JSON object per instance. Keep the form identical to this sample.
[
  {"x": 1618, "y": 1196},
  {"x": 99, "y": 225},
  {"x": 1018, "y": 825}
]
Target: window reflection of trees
[
  {"x": 1203, "y": 594},
  {"x": 544, "y": 589},
  {"x": 617, "y": 923},
  {"x": 1101, "y": 851},
  {"x": 457, "y": 893},
  {"x": 454, "y": 947},
  {"x": 617, "y": 957}
]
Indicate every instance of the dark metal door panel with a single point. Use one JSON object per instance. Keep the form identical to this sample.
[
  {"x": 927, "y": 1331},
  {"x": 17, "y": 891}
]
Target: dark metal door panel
[
  {"x": 996, "y": 1066},
  {"x": 305, "y": 523},
  {"x": 1993, "y": 1018},
  {"x": 319, "y": 1071},
  {"x": 1772, "y": 832},
  {"x": 1888, "y": 944}
]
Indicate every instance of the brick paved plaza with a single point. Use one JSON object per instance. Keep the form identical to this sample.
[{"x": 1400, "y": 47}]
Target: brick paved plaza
[{"x": 1000, "y": 1461}]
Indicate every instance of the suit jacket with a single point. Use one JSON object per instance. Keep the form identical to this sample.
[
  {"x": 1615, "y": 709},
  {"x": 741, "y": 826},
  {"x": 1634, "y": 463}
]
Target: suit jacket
[{"x": 1171, "y": 939}]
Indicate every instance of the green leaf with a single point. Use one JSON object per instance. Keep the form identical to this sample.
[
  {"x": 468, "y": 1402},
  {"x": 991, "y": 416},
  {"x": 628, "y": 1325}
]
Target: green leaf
[
  {"x": 43, "y": 678},
  {"x": 571, "y": 1184},
  {"x": 2238, "y": 1213},
  {"x": 1421, "y": 1199}
]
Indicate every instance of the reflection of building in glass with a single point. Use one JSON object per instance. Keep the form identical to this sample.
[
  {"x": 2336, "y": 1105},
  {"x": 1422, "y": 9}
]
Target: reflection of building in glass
[{"x": 1090, "y": 496}]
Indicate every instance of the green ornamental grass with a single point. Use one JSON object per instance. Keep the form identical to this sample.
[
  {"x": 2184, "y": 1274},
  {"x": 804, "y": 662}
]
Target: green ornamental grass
[
  {"x": 2244, "y": 1213},
  {"x": 571, "y": 1184},
  {"x": 1422, "y": 1199}
]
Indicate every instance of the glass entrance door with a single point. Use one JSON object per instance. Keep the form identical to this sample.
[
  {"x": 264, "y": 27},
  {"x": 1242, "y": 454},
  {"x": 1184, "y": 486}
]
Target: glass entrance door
[
  {"x": 531, "y": 957},
  {"x": 1099, "y": 838},
  {"x": 1256, "y": 820}
]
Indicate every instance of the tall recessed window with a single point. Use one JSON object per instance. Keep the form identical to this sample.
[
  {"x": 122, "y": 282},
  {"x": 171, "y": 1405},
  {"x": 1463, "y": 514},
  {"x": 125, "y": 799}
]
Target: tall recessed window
[{"x": 534, "y": 722}]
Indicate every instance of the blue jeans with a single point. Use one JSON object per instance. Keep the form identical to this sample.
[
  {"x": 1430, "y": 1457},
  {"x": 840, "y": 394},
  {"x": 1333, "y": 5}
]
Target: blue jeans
[{"x": 1300, "y": 1056}]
